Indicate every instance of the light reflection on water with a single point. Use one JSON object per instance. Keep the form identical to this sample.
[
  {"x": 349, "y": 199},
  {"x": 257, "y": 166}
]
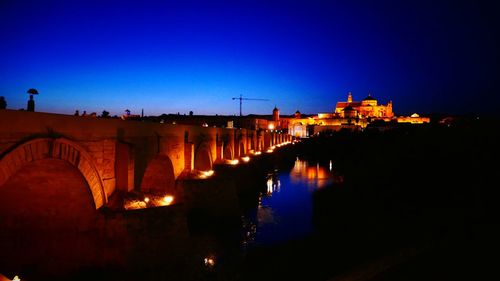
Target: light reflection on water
[{"x": 284, "y": 211}]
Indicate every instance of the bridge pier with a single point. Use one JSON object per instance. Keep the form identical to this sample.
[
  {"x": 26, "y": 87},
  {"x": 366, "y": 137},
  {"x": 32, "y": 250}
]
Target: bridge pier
[
  {"x": 124, "y": 167},
  {"x": 188, "y": 156}
]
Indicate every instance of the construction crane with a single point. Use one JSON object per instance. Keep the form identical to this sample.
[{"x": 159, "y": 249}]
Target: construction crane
[{"x": 241, "y": 98}]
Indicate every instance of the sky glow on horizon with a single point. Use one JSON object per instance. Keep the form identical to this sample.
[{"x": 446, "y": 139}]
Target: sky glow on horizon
[{"x": 178, "y": 56}]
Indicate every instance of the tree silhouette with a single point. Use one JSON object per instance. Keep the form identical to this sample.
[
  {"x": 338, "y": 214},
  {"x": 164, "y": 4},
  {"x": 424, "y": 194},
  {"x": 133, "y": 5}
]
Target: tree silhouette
[
  {"x": 191, "y": 113},
  {"x": 3, "y": 103},
  {"x": 105, "y": 114},
  {"x": 32, "y": 91}
]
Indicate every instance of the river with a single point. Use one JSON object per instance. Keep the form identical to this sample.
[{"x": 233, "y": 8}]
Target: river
[{"x": 284, "y": 210}]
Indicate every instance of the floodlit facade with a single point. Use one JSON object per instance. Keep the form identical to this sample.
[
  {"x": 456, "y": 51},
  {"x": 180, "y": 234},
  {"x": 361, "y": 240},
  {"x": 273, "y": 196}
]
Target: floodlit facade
[
  {"x": 350, "y": 115},
  {"x": 368, "y": 107}
]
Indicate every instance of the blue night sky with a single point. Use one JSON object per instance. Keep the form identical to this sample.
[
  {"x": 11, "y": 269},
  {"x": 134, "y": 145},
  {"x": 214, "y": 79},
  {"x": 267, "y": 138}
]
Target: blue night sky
[{"x": 169, "y": 57}]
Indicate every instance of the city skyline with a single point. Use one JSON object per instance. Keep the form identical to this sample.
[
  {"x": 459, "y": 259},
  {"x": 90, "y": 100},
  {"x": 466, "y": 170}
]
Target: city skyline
[{"x": 195, "y": 56}]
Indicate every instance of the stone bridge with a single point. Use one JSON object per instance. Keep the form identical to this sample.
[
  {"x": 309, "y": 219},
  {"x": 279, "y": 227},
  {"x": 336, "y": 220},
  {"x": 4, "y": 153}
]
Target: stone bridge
[{"x": 75, "y": 162}]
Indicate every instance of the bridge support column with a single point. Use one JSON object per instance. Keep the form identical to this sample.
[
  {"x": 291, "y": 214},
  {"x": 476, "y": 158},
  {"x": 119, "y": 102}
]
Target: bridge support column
[
  {"x": 188, "y": 156},
  {"x": 254, "y": 141},
  {"x": 261, "y": 141},
  {"x": 249, "y": 143},
  {"x": 267, "y": 140},
  {"x": 124, "y": 167},
  {"x": 219, "y": 151}
]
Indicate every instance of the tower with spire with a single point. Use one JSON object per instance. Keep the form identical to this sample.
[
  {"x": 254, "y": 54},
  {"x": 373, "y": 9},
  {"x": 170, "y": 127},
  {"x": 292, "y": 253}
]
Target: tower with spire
[{"x": 276, "y": 114}]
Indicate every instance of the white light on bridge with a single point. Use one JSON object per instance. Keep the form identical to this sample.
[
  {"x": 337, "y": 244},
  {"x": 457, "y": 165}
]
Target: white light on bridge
[
  {"x": 233, "y": 162},
  {"x": 245, "y": 159},
  {"x": 146, "y": 199},
  {"x": 167, "y": 200},
  {"x": 16, "y": 278},
  {"x": 257, "y": 153}
]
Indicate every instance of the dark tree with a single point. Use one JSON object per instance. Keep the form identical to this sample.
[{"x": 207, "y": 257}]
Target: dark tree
[
  {"x": 32, "y": 91},
  {"x": 105, "y": 114},
  {"x": 3, "y": 103},
  {"x": 191, "y": 113}
]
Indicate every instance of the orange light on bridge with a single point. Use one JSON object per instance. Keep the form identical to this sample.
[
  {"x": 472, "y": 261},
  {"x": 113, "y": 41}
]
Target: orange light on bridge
[
  {"x": 146, "y": 199},
  {"x": 245, "y": 159},
  {"x": 271, "y": 126},
  {"x": 167, "y": 200},
  {"x": 209, "y": 261},
  {"x": 257, "y": 153},
  {"x": 206, "y": 174},
  {"x": 233, "y": 162}
]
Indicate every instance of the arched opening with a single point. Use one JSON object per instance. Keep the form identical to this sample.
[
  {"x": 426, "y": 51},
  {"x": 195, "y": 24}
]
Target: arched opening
[
  {"x": 46, "y": 194},
  {"x": 228, "y": 152},
  {"x": 203, "y": 159},
  {"x": 242, "y": 149},
  {"x": 159, "y": 175},
  {"x": 48, "y": 220},
  {"x": 60, "y": 149}
]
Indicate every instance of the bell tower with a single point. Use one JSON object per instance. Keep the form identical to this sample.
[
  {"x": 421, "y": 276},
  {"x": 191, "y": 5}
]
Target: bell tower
[
  {"x": 276, "y": 114},
  {"x": 349, "y": 97}
]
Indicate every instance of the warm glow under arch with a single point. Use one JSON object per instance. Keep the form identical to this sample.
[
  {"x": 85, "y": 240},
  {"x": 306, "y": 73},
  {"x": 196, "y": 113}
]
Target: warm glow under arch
[
  {"x": 60, "y": 148},
  {"x": 203, "y": 158},
  {"x": 159, "y": 175}
]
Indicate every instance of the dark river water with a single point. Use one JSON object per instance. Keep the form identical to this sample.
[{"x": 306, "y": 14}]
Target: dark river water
[{"x": 284, "y": 211}]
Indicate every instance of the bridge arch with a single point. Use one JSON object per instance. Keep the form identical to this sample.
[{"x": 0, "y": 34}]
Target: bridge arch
[
  {"x": 159, "y": 175},
  {"x": 47, "y": 194},
  {"x": 203, "y": 157},
  {"x": 49, "y": 148}
]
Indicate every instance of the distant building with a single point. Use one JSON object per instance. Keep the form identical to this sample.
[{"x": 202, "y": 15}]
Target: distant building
[
  {"x": 368, "y": 107},
  {"x": 349, "y": 115},
  {"x": 414, "y": 119}
]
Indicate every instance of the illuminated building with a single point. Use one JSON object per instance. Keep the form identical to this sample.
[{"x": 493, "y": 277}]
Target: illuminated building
[
  {"x": 351, "y": 115},
  {"x": 368, "y": 107}
]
